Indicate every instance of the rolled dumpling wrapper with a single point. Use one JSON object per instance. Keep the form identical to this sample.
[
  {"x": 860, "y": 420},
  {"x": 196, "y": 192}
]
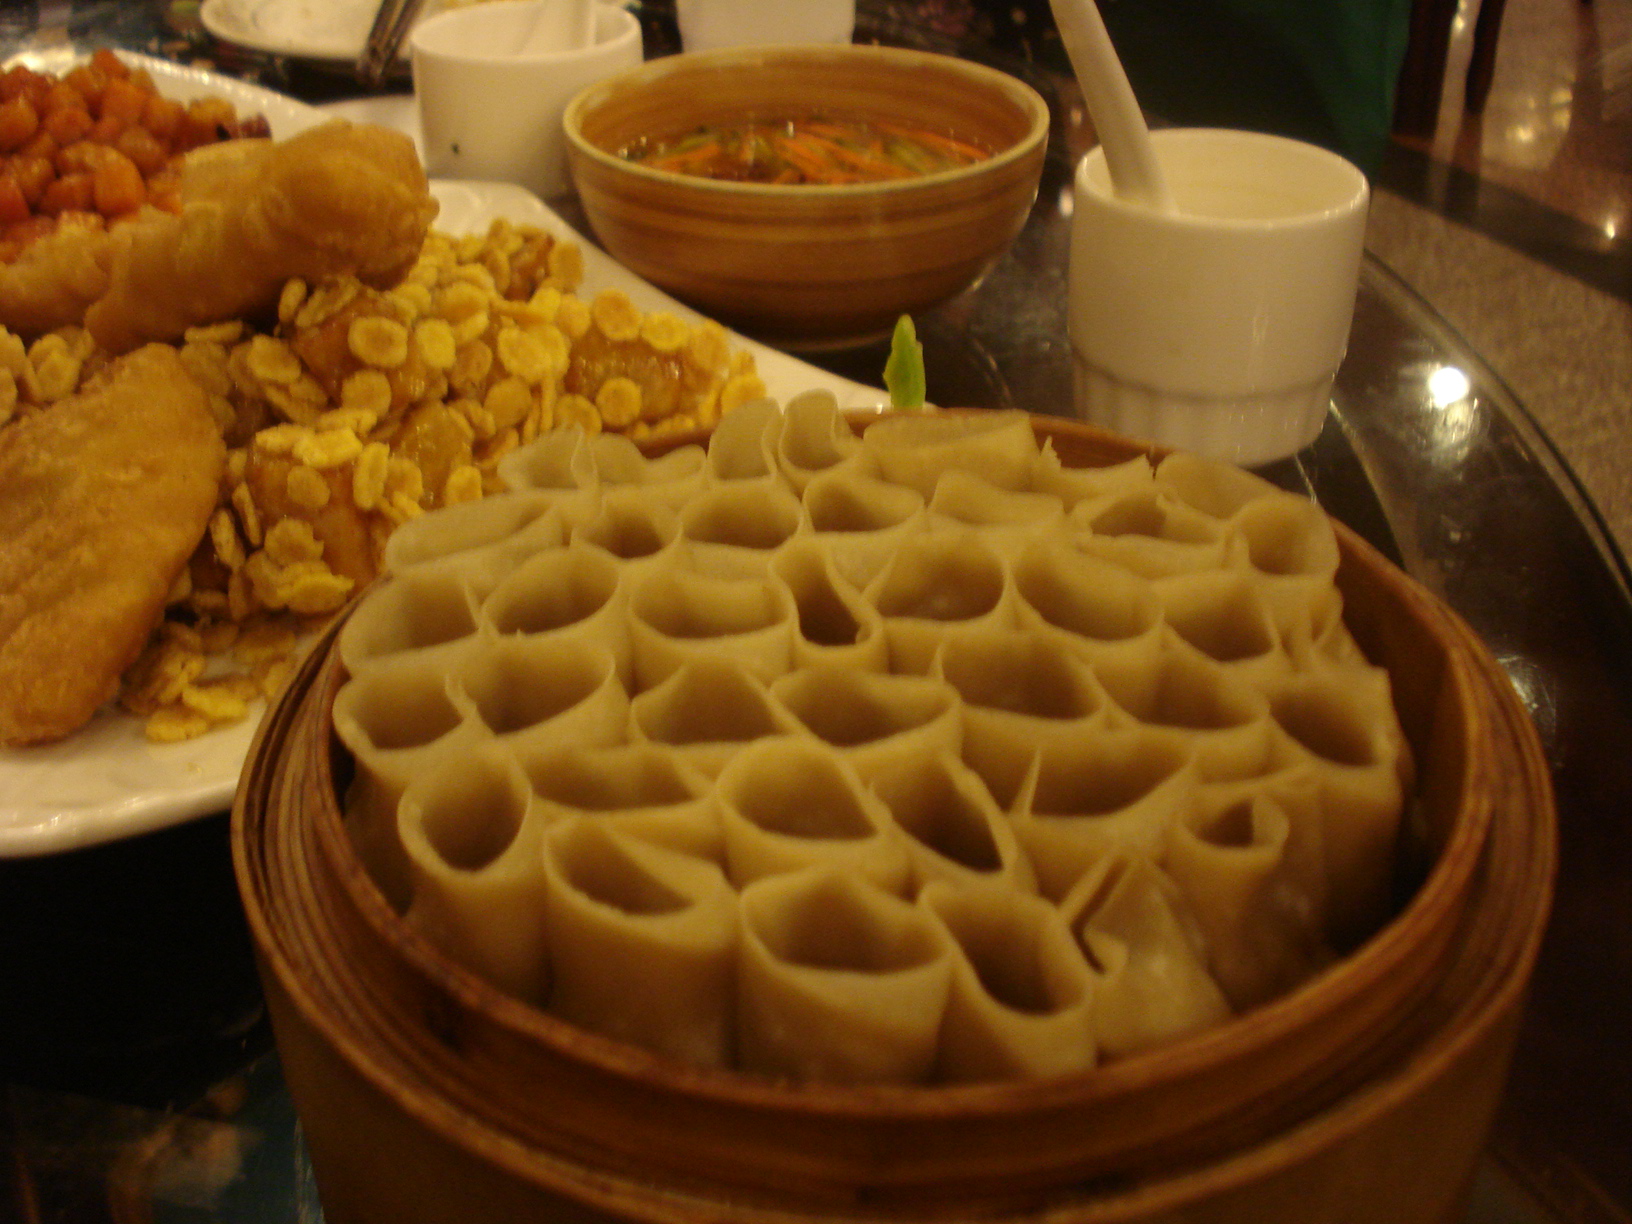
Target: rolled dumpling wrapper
[
  {"x": 742, "y": 446},
  {"x": 1323, "y": 640},
  {"x": 1290, "y": 783},
  {"x": 1290, "y": 547},
  {"x": 396, "y": 720},
  {"x": 504, "y": 525},
  {"x": 1097, "y": 609},
  {"x": 791, "y": 802},
  {"x": 1254, "y": 755},
  {"x": 559, "y": 463},
  {"x": 873, "y": 717},
  {"x": 860, "y": 519},
  {"x": 1221, "y": 720},
  {"x": 429, "y": 612},
  {"x": 1074, "y": 484},
  {"x": 643, "y": 791},
  {"x": 1153, "y": 985},
  {"x": 643, "y": 941},
  {"x": 1224, "y": 616},
  {"x": 636, "y": 529},
  {"x": 731, "y": 529},
  {"x": 1210, "y": 486},
  {"x": 678, "y": 616},
  {"x": 913, "y": 449},
  {"x": 1116, "y": 794},
  {"x": 1151, "y": 532},
  {"x": 954, "y": 831},
  {"x": 1342, "y": 725},
  {"x": 1021, "y": 694},
  {"x": 838, "y": 981},
  {"x": 534, "y": 694},
  {"x": 837, "y": 627},
  {"x": 669, "y": 480},
  {"x": 1235, "y": 857},
  {"x": 573, "y": 596},
  {"x": 969, "y": 500},
  {"x": 1021, "y": 1001},
  {"x": 938, "y": 585},
  {"x": 474, "y": 845},
  {"x": 814, "y": 438},
  {"x": 706, "y": 712}
]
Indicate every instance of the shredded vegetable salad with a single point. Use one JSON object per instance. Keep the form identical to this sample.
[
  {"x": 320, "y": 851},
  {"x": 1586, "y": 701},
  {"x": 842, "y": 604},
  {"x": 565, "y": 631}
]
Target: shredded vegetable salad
[{"x": 807, "y": 150}]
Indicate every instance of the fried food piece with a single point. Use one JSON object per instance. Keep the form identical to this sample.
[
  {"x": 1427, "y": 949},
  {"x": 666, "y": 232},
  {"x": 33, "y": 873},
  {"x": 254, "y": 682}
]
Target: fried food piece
[
  {"x": 339, "y": 199},
  {"x": 103, "y": 497}
]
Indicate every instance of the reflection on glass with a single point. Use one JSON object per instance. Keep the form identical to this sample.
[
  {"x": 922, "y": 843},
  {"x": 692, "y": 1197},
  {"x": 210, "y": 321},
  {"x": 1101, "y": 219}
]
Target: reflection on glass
[
  {"x": 1447, "y": 386},
  {"x": 1452, "y": 416}
]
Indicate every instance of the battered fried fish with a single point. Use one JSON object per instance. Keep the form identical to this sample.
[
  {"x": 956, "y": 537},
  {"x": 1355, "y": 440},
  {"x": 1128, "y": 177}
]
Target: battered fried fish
[
  {"x": 338, "y": 199},
  {"x": 103, "y": 498}
]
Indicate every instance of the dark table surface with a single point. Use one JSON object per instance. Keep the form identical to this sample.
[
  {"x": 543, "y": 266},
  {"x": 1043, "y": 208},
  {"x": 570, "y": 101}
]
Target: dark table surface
[{"x": 137, "y": 1075}]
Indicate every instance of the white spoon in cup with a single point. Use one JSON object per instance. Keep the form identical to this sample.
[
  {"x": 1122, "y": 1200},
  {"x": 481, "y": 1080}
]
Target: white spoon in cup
[
  {"x": 1135, "y": 176},
  {"x": 567, "y": 25}
]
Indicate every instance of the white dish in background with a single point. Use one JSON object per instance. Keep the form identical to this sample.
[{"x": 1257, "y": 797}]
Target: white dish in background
[
  {"x": 330, "y": 32},
  {"x": 107, "y": 782},
  {"x": 300, "y": 29}
]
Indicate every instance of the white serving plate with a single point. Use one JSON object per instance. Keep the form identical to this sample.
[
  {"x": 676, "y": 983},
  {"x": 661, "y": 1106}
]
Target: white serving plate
[
  {"x": 328, "y": 33},
  {"x": 108, "y": 782},
  {"x": 301, "y": 29}
]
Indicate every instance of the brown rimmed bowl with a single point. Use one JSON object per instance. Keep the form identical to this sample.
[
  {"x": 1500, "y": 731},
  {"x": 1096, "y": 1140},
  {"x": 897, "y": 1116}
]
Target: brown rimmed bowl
[
  {"x": 808, "y": 266},
  {"x": 1366, "y": 1093}
]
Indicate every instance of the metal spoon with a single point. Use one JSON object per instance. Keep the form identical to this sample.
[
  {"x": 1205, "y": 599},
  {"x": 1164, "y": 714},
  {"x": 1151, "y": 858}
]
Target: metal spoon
[{"x": 391, "y": 25}]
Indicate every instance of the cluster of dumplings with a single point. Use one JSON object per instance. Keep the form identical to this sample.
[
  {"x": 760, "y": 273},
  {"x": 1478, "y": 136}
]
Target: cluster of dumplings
[{"x": 911, "y": 757}]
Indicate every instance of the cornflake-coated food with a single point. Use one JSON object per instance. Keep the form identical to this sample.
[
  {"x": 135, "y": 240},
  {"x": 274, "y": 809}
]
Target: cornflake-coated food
[
  {"x": 102, "y": 499},
  {"x": 338, "y": 199}
]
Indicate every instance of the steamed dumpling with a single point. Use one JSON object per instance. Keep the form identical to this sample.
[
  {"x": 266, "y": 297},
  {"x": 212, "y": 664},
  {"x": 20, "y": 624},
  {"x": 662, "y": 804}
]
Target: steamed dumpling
[{"x": 909, "y": 757}]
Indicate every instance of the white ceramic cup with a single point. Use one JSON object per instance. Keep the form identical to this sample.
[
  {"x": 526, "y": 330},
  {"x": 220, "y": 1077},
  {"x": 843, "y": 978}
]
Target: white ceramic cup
[
  {"x": 705, "y": 24},
  {"x": 486, "y": 112},
  {"x": 1218, "y": 327}
]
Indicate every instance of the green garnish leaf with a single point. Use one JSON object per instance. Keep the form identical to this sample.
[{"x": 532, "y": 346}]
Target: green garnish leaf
[{"x": 904, "y": 369}]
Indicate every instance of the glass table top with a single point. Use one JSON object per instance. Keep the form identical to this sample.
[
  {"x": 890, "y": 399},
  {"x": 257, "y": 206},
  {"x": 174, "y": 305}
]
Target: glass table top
[{"x": 139, "y": 1077}]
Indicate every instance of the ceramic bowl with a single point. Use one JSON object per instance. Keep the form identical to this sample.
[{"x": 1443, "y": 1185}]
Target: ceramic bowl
[{"x": 808, "y": 266}]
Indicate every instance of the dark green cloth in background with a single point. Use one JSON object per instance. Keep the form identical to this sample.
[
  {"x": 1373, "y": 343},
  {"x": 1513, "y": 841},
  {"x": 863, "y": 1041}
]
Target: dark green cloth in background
[{"x": 1319, "y": 70}]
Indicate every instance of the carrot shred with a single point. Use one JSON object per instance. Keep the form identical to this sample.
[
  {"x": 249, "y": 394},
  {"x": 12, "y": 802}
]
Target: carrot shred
[
  {"x": 810, "y": 166},
  {"x": 818, "y": 150},
  {"x": 875, "y": 166},
  {"x": 961, "y": 148}
]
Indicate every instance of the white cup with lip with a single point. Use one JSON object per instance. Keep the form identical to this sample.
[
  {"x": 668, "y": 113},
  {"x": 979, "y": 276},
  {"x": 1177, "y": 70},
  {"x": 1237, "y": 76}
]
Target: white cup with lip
[
  {"x": 1219, "y": 326},
  {"x": 489, "y": 112},
  {"x": 705, "y": 24}
]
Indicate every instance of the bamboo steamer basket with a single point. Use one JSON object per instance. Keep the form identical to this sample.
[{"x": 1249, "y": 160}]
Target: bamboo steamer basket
[{"x": 426, "y": 1095}]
